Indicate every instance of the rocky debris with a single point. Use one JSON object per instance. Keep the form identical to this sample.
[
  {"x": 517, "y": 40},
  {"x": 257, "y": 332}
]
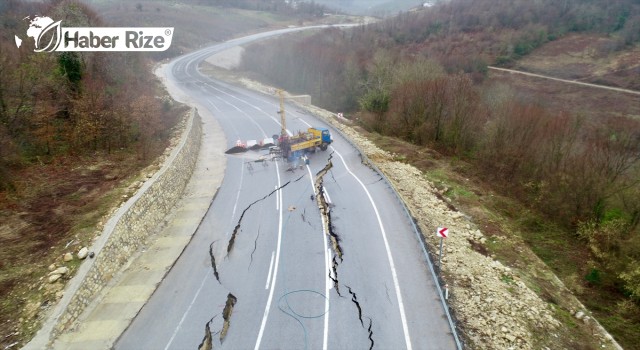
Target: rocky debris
[
  {"x": 60, "y": 271},
  {"x": 57, "y": 273},
  {"x": 52, "y": 267},
  {"x": 497, "y": 309},
  {"x": 53, "y": 278},
  {"x": 83, "y": 253},
  {"x": 67, "y": 257}
]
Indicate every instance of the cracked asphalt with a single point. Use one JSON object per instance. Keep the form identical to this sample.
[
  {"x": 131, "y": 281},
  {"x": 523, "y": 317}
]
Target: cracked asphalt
[{"x": 270, "y": 268}]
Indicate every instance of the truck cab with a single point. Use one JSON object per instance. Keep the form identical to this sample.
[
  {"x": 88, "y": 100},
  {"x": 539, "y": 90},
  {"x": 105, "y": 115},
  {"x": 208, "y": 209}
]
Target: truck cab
[
  {"x": 323, "y": 137},
  {"x": 326, "y": 135}
]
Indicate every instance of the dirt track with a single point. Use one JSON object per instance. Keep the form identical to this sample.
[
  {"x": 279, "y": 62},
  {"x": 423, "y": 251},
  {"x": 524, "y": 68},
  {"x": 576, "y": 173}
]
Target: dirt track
[{"x": 627, "y": 91}]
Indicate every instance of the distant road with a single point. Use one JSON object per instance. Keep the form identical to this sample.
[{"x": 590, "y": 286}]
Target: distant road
[{"x": 567, "y": 81}]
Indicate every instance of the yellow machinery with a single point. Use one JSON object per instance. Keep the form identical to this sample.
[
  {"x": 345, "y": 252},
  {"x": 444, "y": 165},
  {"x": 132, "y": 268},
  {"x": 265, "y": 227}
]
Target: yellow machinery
[{"x": 293, "y": 147}]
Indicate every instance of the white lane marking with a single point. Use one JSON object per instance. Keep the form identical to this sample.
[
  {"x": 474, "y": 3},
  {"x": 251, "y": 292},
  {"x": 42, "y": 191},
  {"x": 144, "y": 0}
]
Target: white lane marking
[
  {"x": 184, "y": 316},
  {"x": 277, "y": 198},
  {"x": 270, "y": 269},
  {"x": 213, "y": 105},
  {"x": 246, "y": 102},
  {"x": 264, "y": 134},
  {"x": 235, "y": 205},
  {"x": 275, "y": 270},
  {"x": 327, "y": 289},
  {"x": 325, "y": 334},
  {"x": 233, "y": 127},
  {"x": 394, "y": 274},
  {"x": 326, "y": 196}
]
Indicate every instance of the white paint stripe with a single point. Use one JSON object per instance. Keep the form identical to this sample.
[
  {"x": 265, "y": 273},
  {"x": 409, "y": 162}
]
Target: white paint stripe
[
  {"x": 394, "y": 274},
  {"x": 245, "y": 102},
  {"x": 264, "y": 134},
  {"x": 326, "y": 196},
  {"x": 277, "y": 198},
  {"x": 235, "y": 130},
  {"x": 325, "y": 334},
  {"x": 327, "y": 291},
  {"x": 275, "y": 270},
  {"x": 300, "y": 119},
  {"x": 184, "y": 316},
  {"x": 235, "y": 205},
  {"x": 270, "y": 269},
  {"x": 213, "y": 105}
]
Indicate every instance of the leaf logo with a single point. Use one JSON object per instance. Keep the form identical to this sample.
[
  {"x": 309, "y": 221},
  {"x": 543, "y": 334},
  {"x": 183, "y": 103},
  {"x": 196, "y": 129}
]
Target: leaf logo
[{"x": 54, "y": 33}]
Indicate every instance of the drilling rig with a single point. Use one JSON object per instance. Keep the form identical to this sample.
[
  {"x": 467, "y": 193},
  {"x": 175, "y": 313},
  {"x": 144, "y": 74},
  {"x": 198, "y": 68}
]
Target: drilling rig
[{"x": 295, "y": 146}]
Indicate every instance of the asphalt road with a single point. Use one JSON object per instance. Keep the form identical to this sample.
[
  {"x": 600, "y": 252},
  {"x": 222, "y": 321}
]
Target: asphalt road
[{"x": 278, "y": 282}]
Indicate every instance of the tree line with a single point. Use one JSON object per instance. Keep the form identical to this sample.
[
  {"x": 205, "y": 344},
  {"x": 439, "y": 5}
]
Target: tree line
[{"x": 292, "y": 7}]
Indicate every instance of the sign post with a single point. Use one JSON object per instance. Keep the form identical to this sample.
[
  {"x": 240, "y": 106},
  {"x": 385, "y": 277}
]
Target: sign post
[{"x": 443, "y": 233}]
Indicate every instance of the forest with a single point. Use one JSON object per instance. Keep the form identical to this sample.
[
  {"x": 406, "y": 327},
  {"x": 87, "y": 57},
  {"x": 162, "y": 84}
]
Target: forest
[
  {"x": 73, "y": 126},
  {"x": 422, "y": 77},
  {"x": 71, "y": 104}
]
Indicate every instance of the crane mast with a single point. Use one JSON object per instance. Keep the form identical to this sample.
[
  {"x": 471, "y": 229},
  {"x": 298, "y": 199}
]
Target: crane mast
[{"x": 283, "y": 119}]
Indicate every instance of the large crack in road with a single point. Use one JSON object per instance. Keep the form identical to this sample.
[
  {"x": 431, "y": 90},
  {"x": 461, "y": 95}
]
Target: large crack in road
[
  {"x": 213, "y": 262},
  {"x": 226, "y": 315},
  {"x": 325, "y": 209},
  {"x": 354, "y": 299},
  {"x": 325, "y": 212},
  {"x": 332, "y": 236},
  {"x": 236, "y": 230},
  {"x": 207, "y": 342}
]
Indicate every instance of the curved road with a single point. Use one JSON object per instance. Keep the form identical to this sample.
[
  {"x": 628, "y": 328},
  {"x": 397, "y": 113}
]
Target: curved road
[{"x": 261, "y": 273}]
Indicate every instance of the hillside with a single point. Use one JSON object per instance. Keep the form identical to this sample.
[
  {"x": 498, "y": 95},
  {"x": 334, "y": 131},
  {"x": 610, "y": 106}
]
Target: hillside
[
  {"x": 561, "y": 159},
  {"x": 587, "y": 58},
  {"x": 199, "y": 23}
]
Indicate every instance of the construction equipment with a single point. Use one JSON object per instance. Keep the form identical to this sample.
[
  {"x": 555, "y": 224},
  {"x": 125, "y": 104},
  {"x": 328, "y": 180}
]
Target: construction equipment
[
  {"x": 288, "y": 147},
  {"x": 293, "y": 147}
]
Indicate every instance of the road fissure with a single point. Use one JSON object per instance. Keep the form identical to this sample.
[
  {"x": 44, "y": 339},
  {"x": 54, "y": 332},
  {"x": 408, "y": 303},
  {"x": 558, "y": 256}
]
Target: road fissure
[
  {"x": 207, "y": 341},
  {"x": 213, "y": 262},
  {"x": 236, "y": 230},
  {"x": 226, "y": 315}
]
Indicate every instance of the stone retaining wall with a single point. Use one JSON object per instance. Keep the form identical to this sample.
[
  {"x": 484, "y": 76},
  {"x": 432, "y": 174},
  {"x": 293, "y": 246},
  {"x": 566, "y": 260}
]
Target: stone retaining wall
[{"x": 132, "y": 224}]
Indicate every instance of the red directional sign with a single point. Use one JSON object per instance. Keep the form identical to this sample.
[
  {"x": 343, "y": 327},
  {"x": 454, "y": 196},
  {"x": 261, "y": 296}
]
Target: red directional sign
[{"x": 442, "y": 232}]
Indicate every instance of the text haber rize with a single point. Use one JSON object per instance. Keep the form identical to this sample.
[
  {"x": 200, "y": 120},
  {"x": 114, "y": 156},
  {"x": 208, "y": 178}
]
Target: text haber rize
[{"x": 133, "y": 40}]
